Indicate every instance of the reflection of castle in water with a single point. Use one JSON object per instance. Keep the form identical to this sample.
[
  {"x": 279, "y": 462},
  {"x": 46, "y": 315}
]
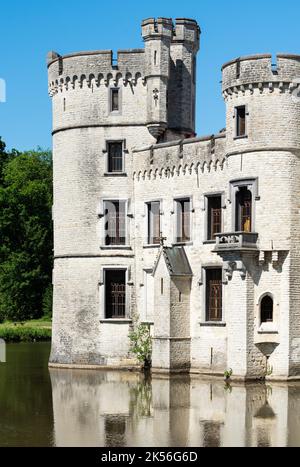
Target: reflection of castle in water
[{"x": 122, "y": 409}]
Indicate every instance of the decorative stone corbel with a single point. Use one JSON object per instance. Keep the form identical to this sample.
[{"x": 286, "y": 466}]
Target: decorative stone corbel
[
  {"x": 275, "y": 257},
  {"x": 262, "y": 257}
]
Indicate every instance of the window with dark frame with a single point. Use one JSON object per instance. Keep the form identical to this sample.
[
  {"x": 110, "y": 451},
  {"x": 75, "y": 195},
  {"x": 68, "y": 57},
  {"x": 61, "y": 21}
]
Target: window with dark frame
[
  {"x": 115, "y": 293},
  {"x": 214, "y": 216},
  {"x": 243, "y": 210},
  {"x": 266, "y": 309},
  {"x": 114, "y": 100},
  {"x": 183, "y": 220},
  {"x": 115, "y": 223},
  {"x": 214, "y": 294},
  {"x": 240, "y": 114},
  {"x": 153, "y": 235},
  {"x": 115, "y": 156}
]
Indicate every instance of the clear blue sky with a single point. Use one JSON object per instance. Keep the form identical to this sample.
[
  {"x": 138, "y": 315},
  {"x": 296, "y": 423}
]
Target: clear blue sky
[{"x": 30, "y": 28}]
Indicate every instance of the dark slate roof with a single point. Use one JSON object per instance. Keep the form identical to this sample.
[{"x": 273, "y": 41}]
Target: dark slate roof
[{"x": 177, "y": 261}]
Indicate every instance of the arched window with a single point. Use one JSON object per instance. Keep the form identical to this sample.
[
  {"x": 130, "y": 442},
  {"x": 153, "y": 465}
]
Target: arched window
[
  {"x": 266, "y": 309},
  {"x": 244, "y": 210}
]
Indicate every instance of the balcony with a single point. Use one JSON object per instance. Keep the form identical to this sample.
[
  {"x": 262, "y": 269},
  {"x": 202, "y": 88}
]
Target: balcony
[{"x": 236, "y": 241}]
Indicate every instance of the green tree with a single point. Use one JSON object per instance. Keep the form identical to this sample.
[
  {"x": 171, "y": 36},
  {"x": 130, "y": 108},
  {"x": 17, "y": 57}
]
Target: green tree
[{"x": 25, "y": 232}]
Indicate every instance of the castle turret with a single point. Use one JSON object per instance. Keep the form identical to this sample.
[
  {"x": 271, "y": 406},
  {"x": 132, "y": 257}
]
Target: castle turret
[
  {"x": 182, "y": 83},
  {"x": 157, "y": 35},
  {"x": 261, "y": 109},
  {"x": 170, "y": 64}
]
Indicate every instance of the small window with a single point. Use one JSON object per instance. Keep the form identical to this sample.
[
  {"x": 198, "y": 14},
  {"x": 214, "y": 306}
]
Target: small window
[
  {"x": 266, "y": 309},
  {"x": 115, "y": 156},
  {"x": 115, "y": 223},
  {"x": 153, "y": 235},
  {"x": 240, "y": 114},
  {"x": 183, "y": 220},
  {"x": 161, "y": 286},
  {"x": 243, "y": 210},
  {"x": 214, "y": 294},
  {"x": 114, "y": 100},
  {"x": 115, "y": 293},
  {"x": 214, "y": 216}
]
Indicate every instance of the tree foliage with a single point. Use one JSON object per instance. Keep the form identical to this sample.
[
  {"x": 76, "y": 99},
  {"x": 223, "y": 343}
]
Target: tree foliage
[{"x": 25, "y": 232}]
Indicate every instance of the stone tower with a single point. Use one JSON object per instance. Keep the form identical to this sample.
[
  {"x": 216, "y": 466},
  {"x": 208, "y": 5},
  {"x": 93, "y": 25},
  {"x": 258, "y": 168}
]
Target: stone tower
[
  {"x": 102, "y": 108},
  {"x": 262, "y": 98}
]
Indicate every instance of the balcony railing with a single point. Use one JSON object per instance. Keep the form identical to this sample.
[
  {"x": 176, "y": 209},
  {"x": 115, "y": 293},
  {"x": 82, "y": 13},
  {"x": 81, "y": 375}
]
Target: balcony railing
[{"x": 236, "y": 241}]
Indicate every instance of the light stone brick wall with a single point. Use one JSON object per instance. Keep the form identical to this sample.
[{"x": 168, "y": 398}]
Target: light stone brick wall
[{"x": 194, "y": 167}]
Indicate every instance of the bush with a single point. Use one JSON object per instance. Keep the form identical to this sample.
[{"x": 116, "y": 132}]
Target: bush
[
  {"x": 141, "y": 344},
  {"x": 20, "y": 333}
]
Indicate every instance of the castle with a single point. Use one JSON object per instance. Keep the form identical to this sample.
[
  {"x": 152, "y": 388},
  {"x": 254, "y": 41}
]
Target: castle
[{"x": 196, "y": 236}]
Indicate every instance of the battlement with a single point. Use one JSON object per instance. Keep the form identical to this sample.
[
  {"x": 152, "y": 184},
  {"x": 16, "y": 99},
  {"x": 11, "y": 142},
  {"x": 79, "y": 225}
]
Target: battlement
[
  {"x": 98, "y": 66},
  {"x": 187, "y": 30},
  {"x": 180, "y": 157},
  {"x": 184, "y": 30},
  {"x": 157, "y": 28},
  {"x": 259, "y": 69}
]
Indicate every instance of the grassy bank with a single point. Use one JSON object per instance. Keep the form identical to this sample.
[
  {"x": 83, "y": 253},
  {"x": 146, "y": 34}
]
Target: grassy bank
[{"x": 29, "y": 331}]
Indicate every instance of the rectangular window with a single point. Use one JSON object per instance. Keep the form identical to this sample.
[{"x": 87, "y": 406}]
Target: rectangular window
[
  {"x": 243, "y": 204},
  {"x": 183, "y": 220},
  {"x": 115, "y": 156},
  {"x": 240, "y": 114},
  {"x": 114, "y": 100},
  {"x": 115, "y": 293},
  {"x": 214, "y": 216},
  {"x": 153, "y": 223},
  {"x": 214, "y": 294},
  {"x": 115, "y": 222}
]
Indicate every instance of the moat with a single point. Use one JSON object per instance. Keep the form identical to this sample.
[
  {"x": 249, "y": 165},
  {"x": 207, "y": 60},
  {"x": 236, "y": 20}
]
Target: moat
[{"x": 39, "y": 407}]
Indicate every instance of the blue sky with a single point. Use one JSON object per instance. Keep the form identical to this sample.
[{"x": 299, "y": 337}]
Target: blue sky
[{"x": 29, "y": 29}]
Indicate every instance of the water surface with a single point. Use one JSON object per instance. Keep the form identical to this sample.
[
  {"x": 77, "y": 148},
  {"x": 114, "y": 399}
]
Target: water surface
[{"x": 39, "y": 407}]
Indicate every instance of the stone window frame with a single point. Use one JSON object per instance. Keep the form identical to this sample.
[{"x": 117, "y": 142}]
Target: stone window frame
[
  {"x": 223, "y": 207},
  {"x": 252, "y": 184},
  {"x": 128, "y": 284},
  {"x": 202, "y": 282},
  {"x": 114, "y": 113},
  {"x": 145, "y": 215},
  {"x": 271, "y": 327},
  {"x": 101, "y": 217},
  {"x": 124, "y": 151},
  {"x": 174, "y": 223},
  {"x": 236, "y": 136}
]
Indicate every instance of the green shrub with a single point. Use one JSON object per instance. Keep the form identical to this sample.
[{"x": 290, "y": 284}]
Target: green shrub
[
  {"x": 20, "y": 333},
  {"x": 141, "y": 344}
]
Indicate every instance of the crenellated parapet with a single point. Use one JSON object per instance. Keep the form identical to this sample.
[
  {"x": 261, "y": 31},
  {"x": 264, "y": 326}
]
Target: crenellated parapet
[
  {"x": 97, "y": 68},
  {"x": 259, "y": 73},
  {"x": 190, "y": 156}
]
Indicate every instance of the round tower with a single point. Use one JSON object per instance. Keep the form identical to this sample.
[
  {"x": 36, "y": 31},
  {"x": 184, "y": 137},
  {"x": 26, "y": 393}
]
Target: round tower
[
  {"x": 99, "y": 114},
  {"x": 262, "y": 150},
  {"x": 262, "y": 108},
  {"x": 157, "y": 34}
]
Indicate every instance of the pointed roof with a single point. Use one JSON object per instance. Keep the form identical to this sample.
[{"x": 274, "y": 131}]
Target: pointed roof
[{"x": 176, "y": 261}]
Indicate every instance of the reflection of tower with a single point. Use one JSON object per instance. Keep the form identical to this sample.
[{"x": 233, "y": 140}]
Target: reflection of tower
[
  {"x": 91, "y": 408},
  {"x": 171, "y": 410}
]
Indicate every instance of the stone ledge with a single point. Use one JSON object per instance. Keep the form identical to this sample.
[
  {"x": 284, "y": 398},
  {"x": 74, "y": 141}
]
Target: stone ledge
[
  {"x": 212, "y": 324},
  {"x": 116, "y": 321}
]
